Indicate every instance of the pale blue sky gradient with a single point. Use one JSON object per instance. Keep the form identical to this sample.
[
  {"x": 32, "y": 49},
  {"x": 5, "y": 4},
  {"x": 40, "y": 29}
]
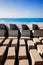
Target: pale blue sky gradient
[{"x": 21, "y": 8}]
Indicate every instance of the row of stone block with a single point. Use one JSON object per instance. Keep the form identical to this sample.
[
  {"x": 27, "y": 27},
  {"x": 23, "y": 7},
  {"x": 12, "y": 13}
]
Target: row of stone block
[
  {"x": 8, "y": 42},
  {"x": 13, "y": 31},
  {"x": 12, "y": 62},
  {"x": 14, "y": 42},
  {"x": 24, "y": 33},
  {"x": 21, "y": 41},
  {"x": 12, "y": 54},
  {"x": 36, "y": 58},
  {"x": 21, "y": 26},
  {"x": 4, "y": 54}
]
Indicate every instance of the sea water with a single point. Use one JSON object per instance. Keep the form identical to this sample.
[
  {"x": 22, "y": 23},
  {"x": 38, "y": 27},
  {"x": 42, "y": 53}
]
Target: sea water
[{"x": 21, "y": 20}]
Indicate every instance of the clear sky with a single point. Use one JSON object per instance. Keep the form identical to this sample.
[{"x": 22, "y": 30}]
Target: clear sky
[{"x": 21, "y": 8}]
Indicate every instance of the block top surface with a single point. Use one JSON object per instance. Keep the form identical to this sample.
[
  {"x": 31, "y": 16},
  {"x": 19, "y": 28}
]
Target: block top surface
[
  {"x": 9, "y": 62},
  {"x": 22, "y": 42},
  {"x": 6, "y": 41},
  {"x": 2, "y": 50},
  {"x": 14, "y": 41},
  {"x": 35, "y": 55},
  {"x": 11, "y": 51},
  {"x": 23, "y": 62},
  {"x": 22, "y": 51},
  {"x": 40, "y": 47},
  {"x": 30, "y": 42},
  {"x": 36, "y": 40}
]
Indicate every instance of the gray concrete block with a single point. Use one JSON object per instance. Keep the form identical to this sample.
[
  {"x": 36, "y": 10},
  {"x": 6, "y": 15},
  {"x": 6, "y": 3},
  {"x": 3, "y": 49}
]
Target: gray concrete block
[
  {"x": 25, "y": 33},
  {"x": 37, "y": 33},
  {"x": 2, "y": 33},
  {"x": 13, "y": 33}
]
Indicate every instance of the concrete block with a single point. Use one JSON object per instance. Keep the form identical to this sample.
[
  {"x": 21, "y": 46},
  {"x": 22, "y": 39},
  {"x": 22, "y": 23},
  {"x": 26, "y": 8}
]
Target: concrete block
[
  {"x": 36, "y": 40},
  {"x": 35, "y": 57},
  {"x": 6, "y": 42},
  {"x": 11, "y": 53},
  {"x": 25, "y": 33},
  {"x": 30, "y": 44},
  {"x": 37, "y": 33},
  {"x": 14, "y": 42},
  {"x": 23, "y": 62},
  {"x": 13, "y": 33},
  {"x": 22, "y": 52},
  {"x": 22, "y": 42},
  {"x": 40, "y": 49},
  {"x": 3, "y": 50},
  {"x": 2, "y": 33},
  {"x": 34, "y": 27},
  {"x": 10, "y": 62}
]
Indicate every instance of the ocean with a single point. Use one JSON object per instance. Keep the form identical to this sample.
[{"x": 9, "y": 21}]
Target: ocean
[{"x": 21, "y": 20}]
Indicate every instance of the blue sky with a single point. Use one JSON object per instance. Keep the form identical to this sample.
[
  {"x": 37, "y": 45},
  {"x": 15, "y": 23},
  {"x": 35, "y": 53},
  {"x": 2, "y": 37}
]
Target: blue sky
[{"x": 21, "y": 8}]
